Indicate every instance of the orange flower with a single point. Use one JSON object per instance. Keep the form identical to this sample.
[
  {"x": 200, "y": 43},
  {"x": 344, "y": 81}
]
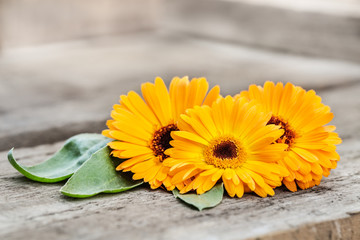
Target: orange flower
[
  {"x": 229, "y": 142},
  {"x": 142, "y": 128},
  {"x": 311, "y": 151}
]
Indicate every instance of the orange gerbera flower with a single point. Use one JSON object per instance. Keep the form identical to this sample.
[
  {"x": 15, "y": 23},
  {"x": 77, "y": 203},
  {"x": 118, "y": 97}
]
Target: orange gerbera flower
[
  {"x": 142, "y": 128},
  {"x": 229, "y": 142},
  {"x": 311, "y": 151}
]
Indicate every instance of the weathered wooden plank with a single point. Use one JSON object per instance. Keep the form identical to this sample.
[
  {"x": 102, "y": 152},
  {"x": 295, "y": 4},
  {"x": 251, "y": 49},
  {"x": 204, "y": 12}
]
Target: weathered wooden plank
[
  {"x": 51, "y": 93},
  {"x": 38, "y": 211},
  {"x": 345, "y": 103},
  {"x": 33, "y": 22},
  {"x": 312, "y": 27}
]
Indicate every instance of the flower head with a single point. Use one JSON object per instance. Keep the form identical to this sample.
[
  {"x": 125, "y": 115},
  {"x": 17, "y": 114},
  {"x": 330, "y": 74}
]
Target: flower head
[
  {"x": 311, "y": 151},
  {"x": 229, "y": 142},
  {"x": 142, "y": 128}
]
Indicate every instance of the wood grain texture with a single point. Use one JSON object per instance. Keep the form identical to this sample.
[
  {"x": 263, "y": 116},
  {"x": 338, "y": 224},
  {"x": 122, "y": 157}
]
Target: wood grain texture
[
  {"x": 33, "y": 22},
  {"x": 316, "y": 28},
  {"x": 38, "y": 211}
]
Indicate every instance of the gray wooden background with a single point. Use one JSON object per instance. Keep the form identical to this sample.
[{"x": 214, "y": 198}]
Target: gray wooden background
[{"x": 63, "y": 64}]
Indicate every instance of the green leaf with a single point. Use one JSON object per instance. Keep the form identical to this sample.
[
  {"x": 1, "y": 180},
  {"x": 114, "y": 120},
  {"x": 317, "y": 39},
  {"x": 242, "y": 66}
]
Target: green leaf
[
  {"x": 65, "y": 162},
  {"x": 98, "y": 175},
  {"x": 205, "y": 200}
]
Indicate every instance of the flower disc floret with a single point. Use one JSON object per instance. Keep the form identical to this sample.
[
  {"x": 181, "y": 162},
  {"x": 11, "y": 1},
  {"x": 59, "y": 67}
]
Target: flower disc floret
[
  {"x": 225, "y": 152},
  {"x": 161, "y": 141}
]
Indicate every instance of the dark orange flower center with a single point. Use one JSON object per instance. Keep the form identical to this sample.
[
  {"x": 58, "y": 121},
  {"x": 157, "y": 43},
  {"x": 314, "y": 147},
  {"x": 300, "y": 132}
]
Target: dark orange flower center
[
  {"x": 289, "y": 134},
  {"x": 225, "y": 152},
  {"x": 161, "y": 141},
  {"x": 226, "y": 149}
]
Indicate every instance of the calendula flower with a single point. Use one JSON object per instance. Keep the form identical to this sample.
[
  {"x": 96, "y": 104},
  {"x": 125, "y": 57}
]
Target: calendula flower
[
  {"x": 311, "y": 151},
  {"x": 229, "y": 142},
  {"x": 142, "y": 128}
]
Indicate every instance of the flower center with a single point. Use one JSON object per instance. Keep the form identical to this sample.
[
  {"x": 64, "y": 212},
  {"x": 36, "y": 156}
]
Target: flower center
[
  {"x": 226, "y": 149},
  {"x": 225, "y": 152},
  {"x": 289, "y": 134},
  {"x": 161, "y": 141}
]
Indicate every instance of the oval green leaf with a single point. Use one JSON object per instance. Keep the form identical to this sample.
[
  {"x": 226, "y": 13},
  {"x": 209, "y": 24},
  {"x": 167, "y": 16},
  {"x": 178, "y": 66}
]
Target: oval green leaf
[
  {"x": 206, "y": 200},
  {"x": 98, "y": 175},
  {"x": 66, "y": 161}
]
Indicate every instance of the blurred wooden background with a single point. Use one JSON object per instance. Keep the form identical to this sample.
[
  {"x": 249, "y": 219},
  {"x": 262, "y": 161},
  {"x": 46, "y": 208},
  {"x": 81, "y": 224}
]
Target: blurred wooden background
[
  {"x": 323, "y": 28},
  {"x": 27, "y": 23}
]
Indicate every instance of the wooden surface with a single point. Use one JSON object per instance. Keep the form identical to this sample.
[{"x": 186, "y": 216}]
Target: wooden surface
[
  {"x": 49, "y": 93},
  {"x": 323, "y": 28},
  {"x": 33, "y": 22}
]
